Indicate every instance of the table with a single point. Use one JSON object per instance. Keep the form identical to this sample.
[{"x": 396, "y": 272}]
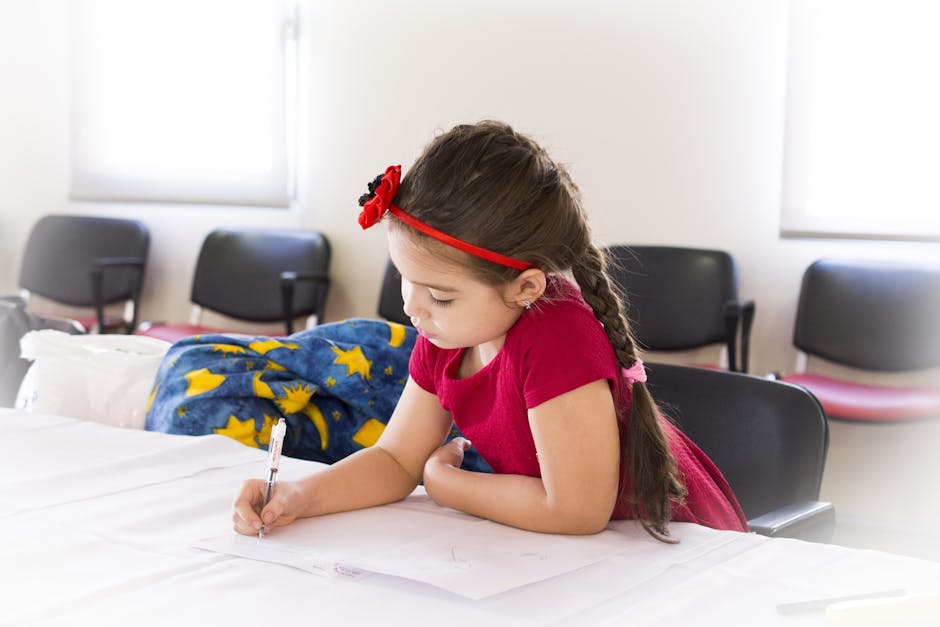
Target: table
[{"x": 99, "y": 526}]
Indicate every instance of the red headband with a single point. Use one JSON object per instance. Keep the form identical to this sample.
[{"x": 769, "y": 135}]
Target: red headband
[{"x": 383, "y": 193}]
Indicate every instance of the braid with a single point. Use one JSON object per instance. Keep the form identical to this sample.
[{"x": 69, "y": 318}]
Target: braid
[
  {"x": 646, "y": 461},
  {"x": 597, "y": 291}
]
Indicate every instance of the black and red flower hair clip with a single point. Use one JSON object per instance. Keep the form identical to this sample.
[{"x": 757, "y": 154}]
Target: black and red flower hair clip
[{"x": 380, "y": 197}]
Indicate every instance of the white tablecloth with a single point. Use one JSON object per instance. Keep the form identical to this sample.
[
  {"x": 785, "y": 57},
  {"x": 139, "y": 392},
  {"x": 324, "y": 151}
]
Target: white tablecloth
[{"x": 98, "y": 526}]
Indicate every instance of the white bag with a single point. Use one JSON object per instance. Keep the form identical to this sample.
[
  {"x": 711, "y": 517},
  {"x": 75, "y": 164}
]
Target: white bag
[{"x": 100, "y": 378}]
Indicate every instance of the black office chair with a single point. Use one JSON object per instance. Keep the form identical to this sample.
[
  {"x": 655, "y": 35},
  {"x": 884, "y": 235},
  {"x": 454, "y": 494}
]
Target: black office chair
[
  {"x": 872, "y": 317},
  {"x": 391, "y": 304},
  {"x": 768, "y": 438},
  {"x": 87, "y": 262},
  {"x": 256, "y": 275},
  {"x": 684, "y": 298}
]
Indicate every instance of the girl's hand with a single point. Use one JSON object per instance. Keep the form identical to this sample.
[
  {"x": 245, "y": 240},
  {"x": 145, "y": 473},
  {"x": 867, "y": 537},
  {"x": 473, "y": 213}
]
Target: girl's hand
[
  {"x": 451, "y": 454},
  {"x": 443, "y": 459},
  {"x": 247, "y": 512}
]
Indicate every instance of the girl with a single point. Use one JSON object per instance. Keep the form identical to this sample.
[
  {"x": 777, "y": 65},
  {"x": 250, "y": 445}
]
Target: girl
[{"x": 542, "y": 376}]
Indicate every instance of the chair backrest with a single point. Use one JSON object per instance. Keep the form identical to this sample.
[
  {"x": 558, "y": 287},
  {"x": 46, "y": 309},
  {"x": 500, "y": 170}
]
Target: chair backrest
[
  {"x": 391, "y": 304},
  {"x": 238, "y": 272},
  {"x": 677, "y": 298},
  {"x": 62, "y": 251},
  {"x": 768, "y": 438},
  {"x": 870, "y": 315}
]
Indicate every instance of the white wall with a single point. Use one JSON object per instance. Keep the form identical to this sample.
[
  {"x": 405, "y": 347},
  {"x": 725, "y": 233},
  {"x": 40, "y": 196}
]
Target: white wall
[{"x": 669, "y": 114}]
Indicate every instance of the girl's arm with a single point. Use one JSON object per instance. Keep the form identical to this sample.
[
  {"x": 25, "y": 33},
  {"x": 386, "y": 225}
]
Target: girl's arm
[
  {"x": 578, "y": 445},
  {"x": 383, "y": 473}
]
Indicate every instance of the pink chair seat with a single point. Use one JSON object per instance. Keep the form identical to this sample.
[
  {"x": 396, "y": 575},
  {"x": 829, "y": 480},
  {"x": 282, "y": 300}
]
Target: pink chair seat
[
  {"x": 855, "y": 401},
  {"x": 88, "y": 322},
  {"x": 176, "y": 332}
]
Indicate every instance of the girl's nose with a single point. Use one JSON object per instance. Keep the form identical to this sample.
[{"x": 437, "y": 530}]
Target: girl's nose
[{"x": 410, "y": 307}]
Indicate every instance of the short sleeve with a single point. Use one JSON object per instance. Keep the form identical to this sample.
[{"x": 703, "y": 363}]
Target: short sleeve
[
  {"x": 566, "y": 348},
  {"x": 420, "y": 366}
]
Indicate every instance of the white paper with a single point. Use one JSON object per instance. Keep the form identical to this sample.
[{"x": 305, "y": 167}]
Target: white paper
[{"x": 418, "y": 540}]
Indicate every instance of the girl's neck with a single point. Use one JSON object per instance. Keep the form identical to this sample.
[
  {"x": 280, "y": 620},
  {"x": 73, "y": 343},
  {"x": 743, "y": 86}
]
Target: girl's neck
[{"x": 475, "y": 358}]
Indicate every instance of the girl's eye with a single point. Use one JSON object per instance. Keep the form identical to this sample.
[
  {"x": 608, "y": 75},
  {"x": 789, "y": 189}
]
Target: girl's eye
[{"x": 439, "y": 302}]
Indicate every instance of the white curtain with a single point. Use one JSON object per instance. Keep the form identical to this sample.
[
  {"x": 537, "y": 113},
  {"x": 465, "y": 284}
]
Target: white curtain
[
  {"x": 863, "y": 129},
  {"x": 182, "y": 100}
]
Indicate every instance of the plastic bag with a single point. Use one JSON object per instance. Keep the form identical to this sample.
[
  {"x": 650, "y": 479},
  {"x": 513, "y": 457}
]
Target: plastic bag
[
  {"x": 15, "y": 322},
  {"x": 100, "y": 378}
]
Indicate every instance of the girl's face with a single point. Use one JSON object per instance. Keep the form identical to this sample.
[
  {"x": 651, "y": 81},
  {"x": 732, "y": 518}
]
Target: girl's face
[{"x": 446, "y": 303}]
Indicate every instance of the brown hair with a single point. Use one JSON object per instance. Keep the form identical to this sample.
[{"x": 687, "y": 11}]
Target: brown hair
[{"x": 491, "y": 186}]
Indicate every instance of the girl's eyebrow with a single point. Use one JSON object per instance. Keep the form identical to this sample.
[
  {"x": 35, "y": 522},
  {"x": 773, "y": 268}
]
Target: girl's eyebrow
[{"x": 437, "y": 288}]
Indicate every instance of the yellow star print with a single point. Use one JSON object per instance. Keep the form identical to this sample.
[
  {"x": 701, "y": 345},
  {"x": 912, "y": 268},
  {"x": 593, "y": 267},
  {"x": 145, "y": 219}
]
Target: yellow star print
[
  {"x": 263, "y": 346},
  {"x": 295, "y": 398},
  {"x": 152, "y": 396},
  {"x": 241, "y": 430},
  {"x": 264, "y": 436},
  {"x": 354, "y": 360},
  {"x": 227, "y": 349},
  {"x": 368, "y": 434}
]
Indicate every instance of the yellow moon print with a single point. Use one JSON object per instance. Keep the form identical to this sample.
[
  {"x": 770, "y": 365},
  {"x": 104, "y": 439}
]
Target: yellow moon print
[
  {"x": 316, "y": 417},
  {"x": 261, "y": 389},
  {"x": 241, "y": 430},
  {"x": 397, "y": 334}
]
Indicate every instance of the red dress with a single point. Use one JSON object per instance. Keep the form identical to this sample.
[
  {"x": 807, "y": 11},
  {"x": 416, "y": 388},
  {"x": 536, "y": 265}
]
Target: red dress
[{"x": 552, "y": 349}]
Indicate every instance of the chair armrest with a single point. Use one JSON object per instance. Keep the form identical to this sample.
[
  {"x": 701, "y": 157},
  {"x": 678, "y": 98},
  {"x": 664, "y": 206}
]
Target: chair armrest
[
  {"x": 97, "y": 285},
  {"x": 289, "y": 282},
  {"x": 738, "y": 315},
  {"x": 747, "y": 319},
  {"x": 732, "y": 318},
  {"x": 807, "y": 520}
]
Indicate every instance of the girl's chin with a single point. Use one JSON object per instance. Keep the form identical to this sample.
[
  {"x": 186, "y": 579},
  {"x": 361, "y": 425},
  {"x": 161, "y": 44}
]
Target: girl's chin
[{"x": 440, "y": 342}]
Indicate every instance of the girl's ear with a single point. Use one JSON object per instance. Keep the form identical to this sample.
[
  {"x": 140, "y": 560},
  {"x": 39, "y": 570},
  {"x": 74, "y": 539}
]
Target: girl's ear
[{"x": 526, "y": 288}]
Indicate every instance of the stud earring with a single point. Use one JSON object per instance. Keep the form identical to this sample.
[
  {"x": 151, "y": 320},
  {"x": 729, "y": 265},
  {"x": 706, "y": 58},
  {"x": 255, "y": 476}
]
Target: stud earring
[{"x": 527, "y": 304}]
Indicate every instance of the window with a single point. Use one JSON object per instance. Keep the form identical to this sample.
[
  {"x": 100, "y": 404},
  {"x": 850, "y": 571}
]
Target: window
[
  {"x": 862, "y": 148},
  {"x": 183, "y": 100}
]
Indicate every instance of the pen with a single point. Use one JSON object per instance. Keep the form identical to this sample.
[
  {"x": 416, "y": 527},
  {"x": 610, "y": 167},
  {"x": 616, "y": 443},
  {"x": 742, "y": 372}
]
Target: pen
[{"x": 274, "y": 460}]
